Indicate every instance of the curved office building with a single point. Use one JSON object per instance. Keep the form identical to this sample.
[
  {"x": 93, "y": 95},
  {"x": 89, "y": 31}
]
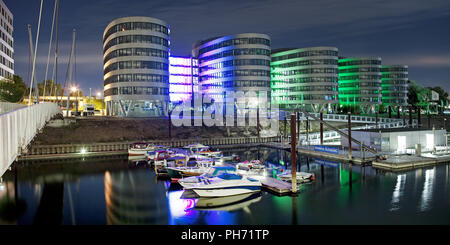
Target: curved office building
[
  {"x": 305, "y": 78},
  {"x": 394, "y": 85},
  {"x": 360, "y": 83},
  {"x": 136, "y": 67},
  {"x": 234, "y": 63}
]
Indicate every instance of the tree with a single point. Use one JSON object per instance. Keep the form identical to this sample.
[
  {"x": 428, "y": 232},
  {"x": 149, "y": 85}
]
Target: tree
[
  {"x": 50, "y": 88},
  {"x": 12, "y": 90}
]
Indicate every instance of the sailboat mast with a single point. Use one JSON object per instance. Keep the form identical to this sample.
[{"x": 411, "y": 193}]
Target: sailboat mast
[
  {"x": 72, "y": 51},
  {"x": 34, "y": 57}
]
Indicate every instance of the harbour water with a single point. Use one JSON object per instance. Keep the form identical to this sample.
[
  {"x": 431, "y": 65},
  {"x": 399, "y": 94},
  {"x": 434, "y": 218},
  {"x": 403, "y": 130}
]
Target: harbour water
[{"x": 118, "y": 191}]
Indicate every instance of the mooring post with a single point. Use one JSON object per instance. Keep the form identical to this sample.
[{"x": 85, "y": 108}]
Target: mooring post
[
  {"x": 285, "y": 129},
  {"x": 307, "y": 130},
  {"x": 376, "y": 120},
  {"x": 170, "y": 126},
  {"x": 349, "y": 136},
  {"x": 321, "y": 128},
  {"x": 293, "y": 155},
  {"x": 298, "y": 128},
  {"x": 419, "y": 120},
  {"x": 257, "y": 122},
  {"x": 410, "y": 116}
]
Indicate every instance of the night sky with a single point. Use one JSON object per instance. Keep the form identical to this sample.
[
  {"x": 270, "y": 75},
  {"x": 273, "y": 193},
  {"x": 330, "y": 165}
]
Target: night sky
[{"x": 411, "y": 32}]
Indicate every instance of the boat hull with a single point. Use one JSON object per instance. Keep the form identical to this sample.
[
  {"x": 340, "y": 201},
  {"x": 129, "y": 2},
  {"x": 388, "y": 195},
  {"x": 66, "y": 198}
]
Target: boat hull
[{"x": 223, "y": 192}]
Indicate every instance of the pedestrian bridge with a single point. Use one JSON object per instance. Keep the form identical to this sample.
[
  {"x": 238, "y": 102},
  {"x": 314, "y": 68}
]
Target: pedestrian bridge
[
  {"x": 19, "y": 124},
  {"x": 344, "y": 118}
]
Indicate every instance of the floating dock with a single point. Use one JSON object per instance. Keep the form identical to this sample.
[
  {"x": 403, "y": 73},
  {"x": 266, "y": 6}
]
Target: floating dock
[
  {"x": 336, "y": 157},
  {"x": 276, "y": 186},
  {"x": 408, "y": 162}
]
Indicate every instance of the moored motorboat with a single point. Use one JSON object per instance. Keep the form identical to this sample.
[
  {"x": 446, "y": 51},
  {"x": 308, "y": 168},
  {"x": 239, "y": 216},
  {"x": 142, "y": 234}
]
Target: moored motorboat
[
  {"x": 174, "y": 161},
  {"x": 210, "y": 173},
  {"x": 248, "y": 165},
  {"x": 158, "y": 155},
  {"x": 226, "y": 184},
  {"x": 301, "y": 177},
  {"x": 193, "y": 167},
  {"x": 141, "y": 149},
  {"x": 228, "y": 203},
  {"x": 203, "y": 150}
]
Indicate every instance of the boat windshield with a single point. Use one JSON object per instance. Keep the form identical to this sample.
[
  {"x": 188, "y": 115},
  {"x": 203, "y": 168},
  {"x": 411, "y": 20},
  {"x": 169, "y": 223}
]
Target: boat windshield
[
  {"x": 140, "y": 145},
  {"x": 228, "y": 176}
]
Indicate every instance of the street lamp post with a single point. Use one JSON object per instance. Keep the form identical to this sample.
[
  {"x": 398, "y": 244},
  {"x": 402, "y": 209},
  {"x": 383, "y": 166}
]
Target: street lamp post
[{"x": 74, "y": 90}]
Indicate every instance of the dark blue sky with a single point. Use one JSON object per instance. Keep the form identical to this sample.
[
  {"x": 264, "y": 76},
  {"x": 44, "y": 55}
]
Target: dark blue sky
[{"x": 411, "y": 32}]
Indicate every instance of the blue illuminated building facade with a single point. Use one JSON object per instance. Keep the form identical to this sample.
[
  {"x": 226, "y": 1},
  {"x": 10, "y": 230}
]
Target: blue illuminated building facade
[{"x": 235, "y": 63}]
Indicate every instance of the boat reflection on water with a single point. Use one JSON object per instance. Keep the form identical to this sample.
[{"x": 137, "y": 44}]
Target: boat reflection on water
[{"x": 228, "y": 203}]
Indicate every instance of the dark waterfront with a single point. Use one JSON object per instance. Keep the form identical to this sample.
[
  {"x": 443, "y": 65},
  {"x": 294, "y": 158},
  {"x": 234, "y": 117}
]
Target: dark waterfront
[{"x": 118, "y": 191}]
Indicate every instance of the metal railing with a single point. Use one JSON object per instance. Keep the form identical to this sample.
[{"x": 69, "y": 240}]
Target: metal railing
[
  {"x": 18, "y": 128},
  {"x": 7, "y": 107}
]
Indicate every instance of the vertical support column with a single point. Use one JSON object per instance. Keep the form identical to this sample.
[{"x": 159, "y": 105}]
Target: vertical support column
[
  {"x": 349, "y": 136},
  {"x": 389, "y": 111},
  {"x": 398, "y": 112},
  {"x": 321, "y": 128},
  {"x": 293, "y": 155}
]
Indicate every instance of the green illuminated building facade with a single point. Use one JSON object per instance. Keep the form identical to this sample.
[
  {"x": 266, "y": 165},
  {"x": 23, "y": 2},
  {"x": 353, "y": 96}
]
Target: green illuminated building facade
[
  {"x": 305, "y": 78},
  {"x": 394, "y": 85},
  {"x": 360, "y": 81}
]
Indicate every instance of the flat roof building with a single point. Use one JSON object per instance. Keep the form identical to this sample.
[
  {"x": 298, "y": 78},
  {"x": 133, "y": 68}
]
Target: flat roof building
[
  {"x": 394, "y": 83},
  {"x": 238, "y": 62},
  {"x": 6, "y": 42},
  {"x": 136, "y": 67},
  {"x": 360, "y": 83},
  {"x": 305, "y": 78}
]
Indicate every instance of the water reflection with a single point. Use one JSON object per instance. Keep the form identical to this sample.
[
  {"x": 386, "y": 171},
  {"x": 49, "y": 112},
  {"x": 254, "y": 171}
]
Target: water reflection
[
  {"x": 131, "y": 199},
  {"x": 123, "y": 192},
  {"x": 398, "y": 192},
  {"x": 425, "y": 201}
]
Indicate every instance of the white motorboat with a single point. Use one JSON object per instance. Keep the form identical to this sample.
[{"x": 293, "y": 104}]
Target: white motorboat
[
  {"x": 210, "y": 173},
  {"x": 248, "y": 165},
  {"x": 203, "y": 150},
  {"x": 301, "y": 177},
  {"x": 141, "y": 149},
  {"x": 194, "y": 166},
  {"x": 226, "y": 184},
  {"x": 228, "y": 203}
]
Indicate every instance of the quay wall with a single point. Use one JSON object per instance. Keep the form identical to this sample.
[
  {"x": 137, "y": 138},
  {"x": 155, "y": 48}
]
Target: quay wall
[{"x": 123, "y": 146}]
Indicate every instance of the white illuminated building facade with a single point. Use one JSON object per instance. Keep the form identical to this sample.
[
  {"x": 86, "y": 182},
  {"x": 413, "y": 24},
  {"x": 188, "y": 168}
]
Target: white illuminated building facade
[
  {"x": 136, "y": 67},
  {"x": 6, "y": 42}
]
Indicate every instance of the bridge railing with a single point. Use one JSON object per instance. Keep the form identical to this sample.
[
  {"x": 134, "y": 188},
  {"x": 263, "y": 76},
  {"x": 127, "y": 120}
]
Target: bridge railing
[
  {"x": 7, "y": 107},
  {"x": 18, "y": 128}
]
